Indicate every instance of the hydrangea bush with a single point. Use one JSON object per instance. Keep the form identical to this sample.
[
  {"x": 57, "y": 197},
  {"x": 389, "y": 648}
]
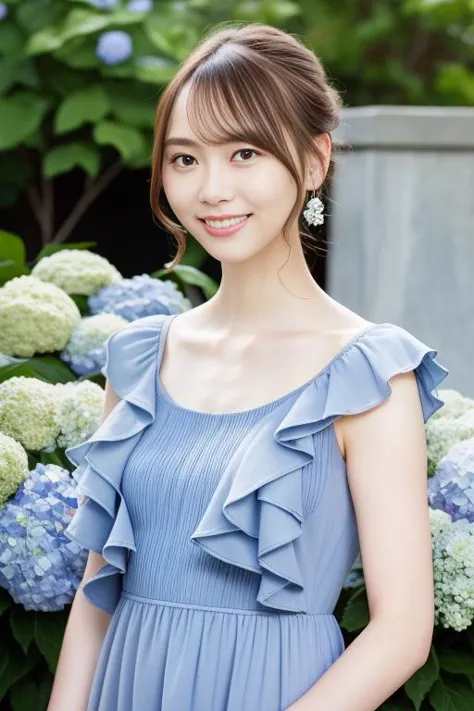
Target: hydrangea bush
[
  {"x": 35, "y": 317},
  {"x": 85, "y": 352},
  {"x": 39, "y": 566},
  {"x": 139, "y": 296},
  {"x": 28, "y": 412},
  {"x": 76, "y": 271},
  {"x": 453, "y": 561}
]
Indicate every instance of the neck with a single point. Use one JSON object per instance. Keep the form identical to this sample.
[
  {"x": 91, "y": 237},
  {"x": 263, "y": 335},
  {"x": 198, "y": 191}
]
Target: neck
[{"x": 273, "y": 289}]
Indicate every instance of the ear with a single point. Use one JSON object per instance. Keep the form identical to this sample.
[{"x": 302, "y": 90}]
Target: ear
[{"x": 316, "y": 169}]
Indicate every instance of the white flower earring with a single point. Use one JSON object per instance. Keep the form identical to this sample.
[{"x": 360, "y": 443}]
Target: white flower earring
[{"x": 314, "y": 211}]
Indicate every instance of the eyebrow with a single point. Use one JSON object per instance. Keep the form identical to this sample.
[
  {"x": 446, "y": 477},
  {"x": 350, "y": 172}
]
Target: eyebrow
[{"x": 177, "y": 141}]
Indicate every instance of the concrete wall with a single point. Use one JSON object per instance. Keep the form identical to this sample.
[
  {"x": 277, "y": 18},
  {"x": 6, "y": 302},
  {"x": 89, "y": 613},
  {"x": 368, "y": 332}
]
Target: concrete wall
[{"x": 402, "y": 226}]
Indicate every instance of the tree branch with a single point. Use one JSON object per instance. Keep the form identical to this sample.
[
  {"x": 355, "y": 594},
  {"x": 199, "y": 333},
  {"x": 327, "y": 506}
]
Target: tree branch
[{"x": 91, "y": 192}]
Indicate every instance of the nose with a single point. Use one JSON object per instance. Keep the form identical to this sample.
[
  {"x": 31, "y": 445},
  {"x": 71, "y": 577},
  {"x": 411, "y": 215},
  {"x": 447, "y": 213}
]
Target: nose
[{"x": 215, "y": 186}]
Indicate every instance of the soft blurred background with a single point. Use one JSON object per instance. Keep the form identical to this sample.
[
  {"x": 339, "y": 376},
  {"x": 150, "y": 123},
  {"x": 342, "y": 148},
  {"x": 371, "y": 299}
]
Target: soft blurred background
[
  {"x": 81, "y": 256},
  {"x": 79, "y": 82}
]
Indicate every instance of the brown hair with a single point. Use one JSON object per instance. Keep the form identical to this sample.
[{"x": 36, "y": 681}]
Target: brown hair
[{"x": 251, "y": 83}]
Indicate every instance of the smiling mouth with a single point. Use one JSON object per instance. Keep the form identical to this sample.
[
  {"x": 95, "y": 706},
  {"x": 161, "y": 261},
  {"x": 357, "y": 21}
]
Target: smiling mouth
[{"x": 229, "y": 222}]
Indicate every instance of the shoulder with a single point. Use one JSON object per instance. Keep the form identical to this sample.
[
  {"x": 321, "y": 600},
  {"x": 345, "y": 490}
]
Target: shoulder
[
  {"x": 131, "y": 351},
  {"x": 393, "y": 375}
]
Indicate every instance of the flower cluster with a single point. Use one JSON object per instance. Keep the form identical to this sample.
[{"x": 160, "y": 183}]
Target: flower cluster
[
  {"x": 85, "y": 352},
  {"x": 42, "y": 416},
  {"x": 76, "y": 271},
  {"x": 13, "y": 466},
  {"x": 39, "y": 566},
  {"x": 35, "y": 317},
  {"x": 28, "y": 412},
  {"x": 453, "y": 563},
  {"x": 79, "y": 412},
  {"x": 142, "y": 295},
  {"x": 453, "y": 423},
  {"x": 451, "y": 489},
  {"x": 114, "y": 47}
]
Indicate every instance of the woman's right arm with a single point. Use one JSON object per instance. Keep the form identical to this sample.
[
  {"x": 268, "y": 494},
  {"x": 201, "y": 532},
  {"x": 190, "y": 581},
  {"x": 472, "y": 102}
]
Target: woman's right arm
[{"x": 85, "y": 630}]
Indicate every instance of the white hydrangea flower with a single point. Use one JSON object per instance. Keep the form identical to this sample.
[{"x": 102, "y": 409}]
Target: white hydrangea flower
[
  {"x": 92, "y": 332},
  {"x": 79, "y": 411},
  {"x": 28, "y": 412},
  {"x": 451, "y": 424},
  {"x": 35, "y": 317},
  {"x": 77, "y": 271},
  {"x": 13, "y": 467},
  {"x": 455, "y": 404},
  {"x": 453, "y": 564}
]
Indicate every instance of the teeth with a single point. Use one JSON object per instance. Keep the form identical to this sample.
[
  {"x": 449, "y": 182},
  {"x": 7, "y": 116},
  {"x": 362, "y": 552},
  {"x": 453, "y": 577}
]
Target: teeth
[{"x": 226, "y": 223}]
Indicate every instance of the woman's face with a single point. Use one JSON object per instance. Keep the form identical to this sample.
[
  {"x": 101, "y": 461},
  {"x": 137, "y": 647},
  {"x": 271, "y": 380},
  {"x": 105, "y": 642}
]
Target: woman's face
[{"x": 235, "y": 179}]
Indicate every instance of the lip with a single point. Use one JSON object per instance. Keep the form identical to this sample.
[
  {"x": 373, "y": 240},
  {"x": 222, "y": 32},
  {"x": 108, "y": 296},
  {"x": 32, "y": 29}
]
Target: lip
[
  {"x": 224, "y": 217},
  {"x": 224, "y": 231}
]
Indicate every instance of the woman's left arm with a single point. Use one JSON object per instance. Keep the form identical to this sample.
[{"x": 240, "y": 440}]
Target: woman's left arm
[{"x": 385, "y": 451}]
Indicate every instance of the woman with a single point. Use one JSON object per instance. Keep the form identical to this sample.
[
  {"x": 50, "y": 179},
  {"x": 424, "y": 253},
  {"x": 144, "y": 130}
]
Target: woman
[{"x": 251, "y": 444}]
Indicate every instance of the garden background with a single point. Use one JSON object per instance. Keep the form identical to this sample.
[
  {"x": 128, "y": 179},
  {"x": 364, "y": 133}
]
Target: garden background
[{"x": 79, "y": 83}]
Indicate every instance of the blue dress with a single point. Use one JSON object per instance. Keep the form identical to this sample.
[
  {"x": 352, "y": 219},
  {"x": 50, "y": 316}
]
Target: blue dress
[{"x": 227, "y": 536}]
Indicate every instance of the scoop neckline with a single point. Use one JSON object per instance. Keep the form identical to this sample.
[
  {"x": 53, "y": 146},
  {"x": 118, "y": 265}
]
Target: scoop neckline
[{"x": 259, "y": 408}]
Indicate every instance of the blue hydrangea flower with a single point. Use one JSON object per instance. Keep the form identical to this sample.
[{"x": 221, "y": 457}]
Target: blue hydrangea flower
[
  {"x": 140, "y": 5},
  {"x": 114, "y": 47},
  {"x": 105, "y": 4},
  {"x": 39, "y": 566},
  {"x": 3, "y": 11},
  {"x": 142, "y": 295},
  {"x": 451, "y": 489}
]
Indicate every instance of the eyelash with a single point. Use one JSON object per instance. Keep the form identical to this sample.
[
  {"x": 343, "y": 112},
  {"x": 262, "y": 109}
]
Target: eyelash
[{"x": 186, "y": 155}]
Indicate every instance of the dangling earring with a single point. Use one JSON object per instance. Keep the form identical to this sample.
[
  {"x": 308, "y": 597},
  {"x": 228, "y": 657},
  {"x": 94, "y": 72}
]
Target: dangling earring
[{"x": 314, "y": 211}]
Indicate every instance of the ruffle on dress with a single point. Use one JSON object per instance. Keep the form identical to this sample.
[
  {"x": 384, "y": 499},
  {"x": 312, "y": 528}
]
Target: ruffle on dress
[
  {"x": 255, "y": 516},
  {"x": 102, "y": 524}
]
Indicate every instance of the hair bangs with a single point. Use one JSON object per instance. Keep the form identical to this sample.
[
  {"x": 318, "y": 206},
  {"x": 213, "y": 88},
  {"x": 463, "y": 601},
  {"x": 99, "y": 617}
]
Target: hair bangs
[{"x": 229, "y": 103}]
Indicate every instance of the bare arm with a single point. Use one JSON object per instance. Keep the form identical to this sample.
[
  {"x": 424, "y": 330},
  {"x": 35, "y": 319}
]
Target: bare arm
[
  {"x": 85, "y": 631},
  {"x": 386, "y": 464}
]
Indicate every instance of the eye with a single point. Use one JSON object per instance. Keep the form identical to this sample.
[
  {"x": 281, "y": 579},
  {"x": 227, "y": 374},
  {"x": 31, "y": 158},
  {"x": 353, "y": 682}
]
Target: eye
[
  {"x": 246, "y": 151},
  {"x": 181, "y": 155}
]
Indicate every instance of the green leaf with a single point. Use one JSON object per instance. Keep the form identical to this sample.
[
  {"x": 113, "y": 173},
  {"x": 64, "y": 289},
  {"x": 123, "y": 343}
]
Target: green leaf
[
  {"x": 56, "y": 457},
  {"x": 12, "y": 247},
  {"x": 78, "y": 53},
  {"x": 456, "y": 662},
  {"x": 127, "y": 140},
  {"x": 44, "y": 41},
  {"x": 83, "y": 22},
  {"x": 11, "y": 40},
  {"x": 49, "y": 632},
  {"x": 451, "y": 696},
  {"x": 22, "y": 115},
  {"x": 356, "y": 613},
  {"x": 63, "y": 159},
  {"x": 22, "y": 624},
  {"x": 421, "y": 682},
  {"x": 191, "y": 275},
  {"x": 155, "y": 70},
  {"x": 47, "y": 368},
  {"x": 44, "y": 693},
  {"x": 171, "y": 37},
  {"x": 36, "y": 15},
  {"x": 50, "y": 369},
  {"x": 133, "y": 111},
  {"x": 24, "y": 696},
  {"x": 15, "y": 667},
  {"x": 90, "y": 104},
  {"x": 5, "y": 601}
]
